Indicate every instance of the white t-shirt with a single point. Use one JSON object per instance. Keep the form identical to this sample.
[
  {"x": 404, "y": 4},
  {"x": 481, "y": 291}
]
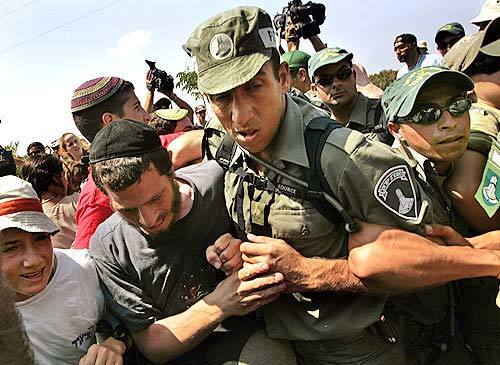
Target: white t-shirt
[
  {"x": 424, "y": 60},
  {"x": 61, "y": 320}
]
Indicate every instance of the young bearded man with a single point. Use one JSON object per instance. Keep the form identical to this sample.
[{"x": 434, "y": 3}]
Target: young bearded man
[{"x": 150, "y": 255}]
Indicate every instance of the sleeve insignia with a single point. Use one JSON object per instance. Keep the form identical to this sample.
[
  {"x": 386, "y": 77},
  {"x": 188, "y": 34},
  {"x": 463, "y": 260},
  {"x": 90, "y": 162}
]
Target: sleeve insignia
[{"x": 395, "y": 189}]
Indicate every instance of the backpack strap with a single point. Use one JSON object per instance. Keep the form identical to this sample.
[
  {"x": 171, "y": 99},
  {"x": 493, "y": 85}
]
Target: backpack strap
[
  {"x": 315, "y": 137},
  {"x": 380, "y": 127}
]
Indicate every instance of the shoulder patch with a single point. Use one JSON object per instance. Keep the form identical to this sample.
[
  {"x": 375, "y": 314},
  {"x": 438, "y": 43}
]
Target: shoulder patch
[{"x": 396, "y": 191}]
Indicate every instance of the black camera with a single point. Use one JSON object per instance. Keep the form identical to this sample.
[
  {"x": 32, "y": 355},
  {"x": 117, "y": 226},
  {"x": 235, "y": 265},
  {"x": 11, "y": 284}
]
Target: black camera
[
  {"x": 162, "y": 82},
  {"x": 305, "y": 17}
]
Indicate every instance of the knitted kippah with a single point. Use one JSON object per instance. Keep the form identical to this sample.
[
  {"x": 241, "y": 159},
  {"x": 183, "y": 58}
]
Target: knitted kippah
[{"x": 94, "y": 91}]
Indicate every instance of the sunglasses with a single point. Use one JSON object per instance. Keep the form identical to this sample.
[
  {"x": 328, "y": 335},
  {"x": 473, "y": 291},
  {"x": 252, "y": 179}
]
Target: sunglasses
[
  {"x": 430, "y": 113},
  {"x": 327, "y": 80}
]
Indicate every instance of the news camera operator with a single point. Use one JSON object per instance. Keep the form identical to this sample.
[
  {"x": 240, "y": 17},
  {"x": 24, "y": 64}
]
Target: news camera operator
[
  {"x": 157, "y": 79},
  {"x": 299, "y": 20}
]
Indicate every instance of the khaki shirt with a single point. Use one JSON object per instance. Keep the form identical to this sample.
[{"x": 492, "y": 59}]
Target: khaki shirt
[
  {"x": 484, "y": 126},
  {"x": 372, "y": 182},
  {"x": 431, "y": 305}
]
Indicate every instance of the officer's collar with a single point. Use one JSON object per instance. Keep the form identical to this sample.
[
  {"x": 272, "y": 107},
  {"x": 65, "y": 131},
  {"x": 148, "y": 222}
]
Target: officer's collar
[
  {"x": 358, "y": 114},
  {"x": 289, "y": 144}
]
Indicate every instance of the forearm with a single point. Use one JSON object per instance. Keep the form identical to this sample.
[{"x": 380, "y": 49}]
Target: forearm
[
  {"x": 319, "y": 275},
  {"x": 317, "y": 43},
  {"x": 170, "y": 337},
  {"x": 399, "y": 260},
  {"x": 148, "y": 102},
  {"x": 490, "y": 240},
  {"x": 186, "y": 148}
]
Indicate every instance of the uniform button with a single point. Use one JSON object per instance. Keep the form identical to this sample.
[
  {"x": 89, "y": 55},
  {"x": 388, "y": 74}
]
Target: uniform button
[{"x": 305, "y": 231}]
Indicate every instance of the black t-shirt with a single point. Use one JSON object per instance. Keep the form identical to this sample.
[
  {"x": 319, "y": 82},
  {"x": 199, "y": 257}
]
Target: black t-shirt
[{"x": 144, "y": 278}]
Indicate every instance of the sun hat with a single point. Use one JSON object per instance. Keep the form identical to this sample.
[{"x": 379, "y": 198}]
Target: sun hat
[{"x": 20, "y": 207}]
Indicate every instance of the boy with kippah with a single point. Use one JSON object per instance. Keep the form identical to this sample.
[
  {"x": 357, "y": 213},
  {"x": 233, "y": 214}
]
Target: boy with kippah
[{"x": 95, "y": 104}]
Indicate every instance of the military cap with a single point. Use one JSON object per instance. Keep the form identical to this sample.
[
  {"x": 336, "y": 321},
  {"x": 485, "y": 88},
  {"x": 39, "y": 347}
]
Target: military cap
[
  {"x": 465, "y": 51},
  {"x": 398, "y": 99},
  {"x": 231, "y": 47},
  {"x": 124, "y": 138},
  {"x": 172, "y": 114},
  {"x": 296, "y": 59},
  {"x": 327, "y": 56},
  {"x": 94, "y": 91},
  {"x": 489, "y": 11},
  {"x": 450, "y": 28}
]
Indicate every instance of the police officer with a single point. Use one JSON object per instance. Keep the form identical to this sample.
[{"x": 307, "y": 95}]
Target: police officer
[
  {"x": 478, "y": 56},
  {"x": 431, "y": 137},
  {"x": 334, "y": 80},
  {"x": 241, "y": 74}
]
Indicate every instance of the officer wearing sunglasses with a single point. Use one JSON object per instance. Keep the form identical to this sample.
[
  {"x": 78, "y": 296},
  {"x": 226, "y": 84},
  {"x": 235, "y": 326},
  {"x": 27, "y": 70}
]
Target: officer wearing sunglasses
[
  {"x": 334, "y": 81},
  {"x": 427, "y": 112}
]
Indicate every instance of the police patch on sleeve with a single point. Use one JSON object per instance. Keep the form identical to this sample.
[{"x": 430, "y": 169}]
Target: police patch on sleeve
[{"x": 396, "y": 191}]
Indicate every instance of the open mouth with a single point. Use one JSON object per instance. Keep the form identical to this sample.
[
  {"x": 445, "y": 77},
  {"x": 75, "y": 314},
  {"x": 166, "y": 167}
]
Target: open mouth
[
  {"x": 34, "y": 275},
  {"x": 247, "y": 135}
]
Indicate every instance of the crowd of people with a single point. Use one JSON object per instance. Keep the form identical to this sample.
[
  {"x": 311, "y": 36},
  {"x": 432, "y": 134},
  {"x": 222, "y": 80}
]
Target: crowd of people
[{"x": 313, "y": 219}]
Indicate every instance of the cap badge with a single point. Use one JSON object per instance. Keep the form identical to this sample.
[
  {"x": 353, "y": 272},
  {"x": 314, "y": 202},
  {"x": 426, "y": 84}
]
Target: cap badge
[{"x": 221, "y": 46}]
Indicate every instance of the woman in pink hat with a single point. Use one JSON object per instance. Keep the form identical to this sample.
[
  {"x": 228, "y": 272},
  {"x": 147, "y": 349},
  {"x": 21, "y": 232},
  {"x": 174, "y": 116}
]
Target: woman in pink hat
[{"x": 57, "y": 291}]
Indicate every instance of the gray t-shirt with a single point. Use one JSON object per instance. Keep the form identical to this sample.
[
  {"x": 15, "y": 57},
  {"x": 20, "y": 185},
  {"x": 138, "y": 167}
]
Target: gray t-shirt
[{"x": 144, "y": 278}]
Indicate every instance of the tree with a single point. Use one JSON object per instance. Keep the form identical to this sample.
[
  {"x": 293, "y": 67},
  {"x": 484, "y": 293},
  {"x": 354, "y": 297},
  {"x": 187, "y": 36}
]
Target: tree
[
  {"x": 383, "y": 78},
  {"x": 188, "y": 82}
]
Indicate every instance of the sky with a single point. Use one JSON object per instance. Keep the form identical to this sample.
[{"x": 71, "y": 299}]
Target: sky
[{"x": 49, "y": 47}]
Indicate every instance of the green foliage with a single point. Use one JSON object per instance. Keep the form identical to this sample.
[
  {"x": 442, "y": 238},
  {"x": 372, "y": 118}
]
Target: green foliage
[
  {"x": 12, "y": 146},
  {"x": 383, "y": 78},
  {"x": 188, "y": 82}
]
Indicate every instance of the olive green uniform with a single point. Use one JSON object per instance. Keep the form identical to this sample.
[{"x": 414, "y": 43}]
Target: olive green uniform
[
  {"x": 427, "y": 326},
  {"x": 366, "y": 177},
  {"x": 479, "y": 318},
  {"x": 484, "y": 126},
  {"x": 363, "y": 116}
]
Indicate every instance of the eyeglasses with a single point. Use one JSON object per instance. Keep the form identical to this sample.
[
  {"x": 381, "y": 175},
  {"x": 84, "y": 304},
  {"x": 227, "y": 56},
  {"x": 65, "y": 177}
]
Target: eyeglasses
[
  {"x": 327, "y": 80},
  {"x": 430, "y": 113}
]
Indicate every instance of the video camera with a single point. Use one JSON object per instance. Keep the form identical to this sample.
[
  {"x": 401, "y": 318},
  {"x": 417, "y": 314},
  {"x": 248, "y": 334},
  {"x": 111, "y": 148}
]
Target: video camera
[
  {"x": 163, "y": 82},
  {"x": 305, "y": 17}
]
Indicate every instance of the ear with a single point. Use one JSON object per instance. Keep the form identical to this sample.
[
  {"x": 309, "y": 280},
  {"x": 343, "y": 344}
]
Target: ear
[
  {"x": 284, "y": 74},
  {"x": 395, "y": 129},
  {"x": 302, "y": 74},
  {"x": 107, "y": 118}
]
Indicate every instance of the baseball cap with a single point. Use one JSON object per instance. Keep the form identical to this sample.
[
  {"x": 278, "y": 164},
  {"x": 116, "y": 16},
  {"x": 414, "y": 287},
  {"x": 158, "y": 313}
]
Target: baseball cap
[
  {"x": 398, "y": 99},
  {"x": 450, "y": 28},
  {"x": 327, "y": 56},
  {"x": 172, "y": 114},
  {"x": 124, "y": 138},
  {"x": 94, "y": 91},
  {"x": 231, "y": 47},
  {"x": 20, "y": 207},
  {"x": 296, "y": 59},
  {"x": 200, "y": 108},
  {"x": 422, "y": 44},
  {"x": 489, "y": 11},
  {"x": 465, "y": 51}
]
